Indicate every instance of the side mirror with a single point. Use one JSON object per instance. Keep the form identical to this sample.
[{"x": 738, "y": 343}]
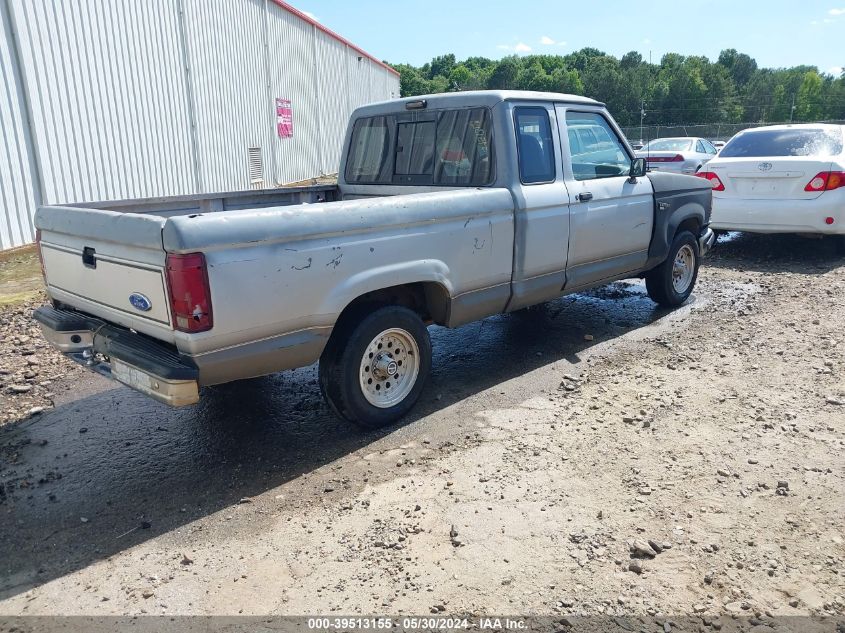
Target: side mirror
[{"x": 638, "y": 169}]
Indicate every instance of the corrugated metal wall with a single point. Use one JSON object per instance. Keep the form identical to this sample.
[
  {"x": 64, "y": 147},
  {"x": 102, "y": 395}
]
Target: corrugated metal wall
[
  {"x": 17, "y": 193},
  {"x": 165, "y": 97}
]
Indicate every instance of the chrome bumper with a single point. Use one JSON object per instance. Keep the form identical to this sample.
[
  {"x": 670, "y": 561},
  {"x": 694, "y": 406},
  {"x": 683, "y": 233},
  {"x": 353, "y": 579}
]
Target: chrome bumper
[
  {"x": 706, "y": 241},
  {"x": 122, "y": 355}
]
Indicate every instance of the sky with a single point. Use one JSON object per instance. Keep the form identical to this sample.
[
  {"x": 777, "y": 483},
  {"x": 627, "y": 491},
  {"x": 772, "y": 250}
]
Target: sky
[{"x": 777, "y": 33}]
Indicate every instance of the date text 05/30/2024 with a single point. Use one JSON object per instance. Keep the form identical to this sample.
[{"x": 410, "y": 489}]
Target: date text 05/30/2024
[{"x": 416, "y": 623}]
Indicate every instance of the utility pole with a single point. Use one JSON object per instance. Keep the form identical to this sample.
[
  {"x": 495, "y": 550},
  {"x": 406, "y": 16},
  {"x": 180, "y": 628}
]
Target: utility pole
[{"x": 792, "y": 109}]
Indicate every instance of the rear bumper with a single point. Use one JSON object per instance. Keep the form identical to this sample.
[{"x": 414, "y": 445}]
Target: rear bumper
[
  {"x": 131, "y": 358},
  {"x": 781, "y": 216}
]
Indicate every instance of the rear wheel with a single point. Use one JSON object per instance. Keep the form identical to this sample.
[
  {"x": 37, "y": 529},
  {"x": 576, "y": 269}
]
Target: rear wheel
[
  {"x": 671, "y": 283},
  {"x": 374, "y": 368}
]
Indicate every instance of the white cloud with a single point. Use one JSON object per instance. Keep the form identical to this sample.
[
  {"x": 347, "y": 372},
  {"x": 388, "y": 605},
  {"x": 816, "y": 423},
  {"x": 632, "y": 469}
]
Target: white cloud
[
  {"x": 521, "y": 47},
  {"x": 835, "y": 70},
  {"x": 828, "y": 21},
  {"x": 813, "y": 22},
  {"x": 837, "y": 12},
  {"x": 646, "y": 41},
  {"x": 312, "y": 16},
  {"x": 546, "y": 41}
]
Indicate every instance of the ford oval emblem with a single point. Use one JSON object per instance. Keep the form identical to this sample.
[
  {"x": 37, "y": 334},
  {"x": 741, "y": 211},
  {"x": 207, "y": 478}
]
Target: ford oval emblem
[
  {"x": 764, "y": 166},
  {"x": 140, "y": 302}
]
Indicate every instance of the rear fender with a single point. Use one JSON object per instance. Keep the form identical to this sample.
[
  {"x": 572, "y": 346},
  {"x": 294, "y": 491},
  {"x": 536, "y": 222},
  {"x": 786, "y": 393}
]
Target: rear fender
[{"x": 388, "y": 276}]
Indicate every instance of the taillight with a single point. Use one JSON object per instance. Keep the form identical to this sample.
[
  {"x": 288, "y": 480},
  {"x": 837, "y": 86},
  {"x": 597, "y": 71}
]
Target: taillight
[
  {"x": 677, "y": 158},
  {"x": 826, "y": 181},
  {"x": 40, "y": 254},
  {"x": 715, "y": 181},
  {"x": 190, "y": 298}
]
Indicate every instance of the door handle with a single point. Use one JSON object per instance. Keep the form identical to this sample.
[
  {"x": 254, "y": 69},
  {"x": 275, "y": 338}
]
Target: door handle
[{"x": 584, "y": 197}]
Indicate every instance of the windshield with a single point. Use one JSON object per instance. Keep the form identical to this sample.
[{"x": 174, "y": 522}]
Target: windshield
[
  {"x": 669, "y": 144},
  {"x": 784, "y": 142}
]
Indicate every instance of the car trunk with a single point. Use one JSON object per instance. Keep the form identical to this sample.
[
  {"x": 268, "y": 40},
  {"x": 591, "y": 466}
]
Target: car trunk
[{"x": 782, "y": 178}]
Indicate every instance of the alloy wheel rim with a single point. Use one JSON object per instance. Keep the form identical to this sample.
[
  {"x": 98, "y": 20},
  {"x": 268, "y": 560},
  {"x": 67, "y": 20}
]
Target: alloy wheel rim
[
  {"x": 683, "y": 269},
  {"x": 389, "y": 368}
]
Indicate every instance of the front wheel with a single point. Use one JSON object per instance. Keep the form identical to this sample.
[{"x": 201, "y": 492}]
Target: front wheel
[
  {"x": 373, "y": 369},
  {"x": 671, "y": 283}
]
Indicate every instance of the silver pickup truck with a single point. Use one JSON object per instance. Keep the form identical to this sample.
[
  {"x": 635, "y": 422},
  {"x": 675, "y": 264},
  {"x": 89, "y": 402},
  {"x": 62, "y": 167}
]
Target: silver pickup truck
[{"x": 448, "y": 208}]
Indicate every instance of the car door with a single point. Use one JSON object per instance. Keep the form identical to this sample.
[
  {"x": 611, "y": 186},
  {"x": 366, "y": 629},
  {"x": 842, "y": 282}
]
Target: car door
[
  {"x": 611, "y": 217},
  {"x": 542, "y": 218}
]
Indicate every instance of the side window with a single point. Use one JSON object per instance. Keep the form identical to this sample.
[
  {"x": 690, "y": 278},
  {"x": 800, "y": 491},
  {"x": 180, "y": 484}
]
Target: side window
[
  {"x": 534, "y": 145},
  {"x": 604, "y": 156},
  {"x": 711, "y": 149},
  {"x": 574, "y": 143},
  {"x": 699, "y": 147},
  {"x": 464, "y": 153}
]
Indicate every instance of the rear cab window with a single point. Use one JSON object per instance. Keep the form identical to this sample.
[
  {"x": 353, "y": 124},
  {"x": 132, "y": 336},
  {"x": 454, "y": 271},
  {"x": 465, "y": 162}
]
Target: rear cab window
[
  {"x": 446, "y": 148},
  {"x": 784, "y": 142}
]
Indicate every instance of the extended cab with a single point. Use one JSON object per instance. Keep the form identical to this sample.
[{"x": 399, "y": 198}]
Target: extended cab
[{"x": 449, "y": 208}]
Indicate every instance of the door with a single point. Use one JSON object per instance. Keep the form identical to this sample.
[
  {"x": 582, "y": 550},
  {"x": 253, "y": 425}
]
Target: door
[
  {"x": 541, "y": 236},
  {"x": 611, "y": 219}
]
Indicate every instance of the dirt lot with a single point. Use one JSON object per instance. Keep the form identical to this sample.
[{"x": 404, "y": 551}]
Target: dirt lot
[{"x": 592, "y": 456}]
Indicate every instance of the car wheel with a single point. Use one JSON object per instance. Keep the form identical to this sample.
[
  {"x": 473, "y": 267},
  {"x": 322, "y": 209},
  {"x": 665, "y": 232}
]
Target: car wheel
[
  {"x": 671, "y": 283},
  {"x": 375, "y": 365}
]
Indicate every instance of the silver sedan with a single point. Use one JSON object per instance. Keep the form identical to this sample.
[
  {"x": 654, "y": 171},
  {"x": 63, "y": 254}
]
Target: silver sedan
[{"x": 685, "y": 155}]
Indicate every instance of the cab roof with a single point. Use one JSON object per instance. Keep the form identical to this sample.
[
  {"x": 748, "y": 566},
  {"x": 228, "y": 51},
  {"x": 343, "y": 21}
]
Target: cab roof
[{"x": 478, "y": 98}]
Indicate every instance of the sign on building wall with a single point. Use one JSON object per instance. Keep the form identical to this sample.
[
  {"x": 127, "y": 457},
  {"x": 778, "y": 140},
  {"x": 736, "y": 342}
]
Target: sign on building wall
[{"x": 284, "y": 118}]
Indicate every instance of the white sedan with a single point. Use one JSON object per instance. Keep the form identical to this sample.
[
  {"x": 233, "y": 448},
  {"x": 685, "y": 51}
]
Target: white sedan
[
  {"x": 684, "y": 155},
  {"x": 780, "y": 179}
]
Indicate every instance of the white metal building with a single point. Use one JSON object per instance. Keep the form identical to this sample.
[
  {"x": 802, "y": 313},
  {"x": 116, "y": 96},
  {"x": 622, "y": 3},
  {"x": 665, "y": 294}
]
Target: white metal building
[{"x": 114, "y": 99}]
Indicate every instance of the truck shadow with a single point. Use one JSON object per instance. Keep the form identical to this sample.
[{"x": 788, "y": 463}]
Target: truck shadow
[
  {"x": 776, "y": 253},
  {"x": 112, "y": 469}
]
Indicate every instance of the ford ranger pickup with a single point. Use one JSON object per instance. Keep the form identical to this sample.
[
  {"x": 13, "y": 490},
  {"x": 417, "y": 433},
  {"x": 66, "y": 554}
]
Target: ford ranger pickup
[{"x": 448, "y": 208}]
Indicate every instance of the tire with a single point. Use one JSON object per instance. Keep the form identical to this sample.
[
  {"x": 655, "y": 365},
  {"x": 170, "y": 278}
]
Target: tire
[
  {"x": 670, "y": 284},
  {"x": 840, "y": 245},
  {"x": 354, "y": 367}
]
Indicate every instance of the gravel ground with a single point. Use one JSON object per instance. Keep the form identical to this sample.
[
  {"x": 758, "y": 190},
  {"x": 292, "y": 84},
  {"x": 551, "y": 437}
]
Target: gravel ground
[{"x": 692, "y": 466}]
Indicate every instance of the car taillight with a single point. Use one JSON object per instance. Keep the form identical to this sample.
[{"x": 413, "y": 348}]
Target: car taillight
[
  {"x": 826, "y": 181},
  {"x": 715, "y": 181},
  {"x": 677, "y": 158},
  {"x": 190, "y": 297},
  {"x": 40, "y": 254}
]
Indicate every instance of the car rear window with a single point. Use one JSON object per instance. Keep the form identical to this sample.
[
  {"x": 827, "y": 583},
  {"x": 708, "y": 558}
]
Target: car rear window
[
  {"x": 669, "y": 145},
  {"x": 790, "y": 142},
  {"x": 449, "y": 147}
]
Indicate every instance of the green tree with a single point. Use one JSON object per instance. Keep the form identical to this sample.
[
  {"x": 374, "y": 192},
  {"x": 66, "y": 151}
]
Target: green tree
[
  {"x": 505, "y": 74},
  {"x": 441, "y": 65},
  {"x": 808, "y": 104}
]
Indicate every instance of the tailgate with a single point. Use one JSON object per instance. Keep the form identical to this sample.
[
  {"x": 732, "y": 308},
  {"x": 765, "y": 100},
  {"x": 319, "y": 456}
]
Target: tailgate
[{"x": 107, "y": 264}]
